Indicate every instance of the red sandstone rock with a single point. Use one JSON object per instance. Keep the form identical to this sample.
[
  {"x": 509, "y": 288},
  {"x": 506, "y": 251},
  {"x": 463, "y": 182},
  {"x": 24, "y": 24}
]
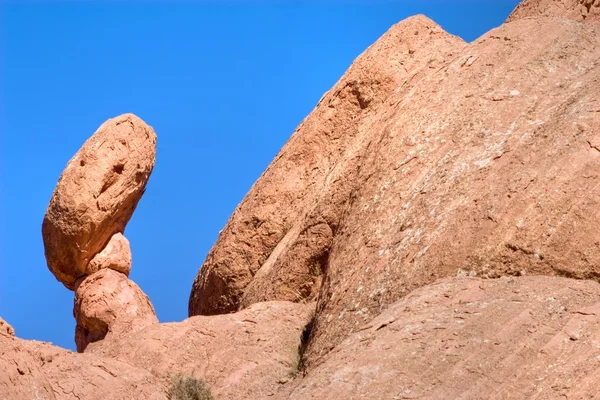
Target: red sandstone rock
[
  {"x": 508, "y": 338},
  {"x": 6, "y": 329},
  {"x": 277, "y": 211},
  {"x": 96, "y": 195},
  {"x": 36, "y": 370},
  {"x": 116, "y": 256},
  {"x": 247, "y": 355},
  {"x": 579, "y": 10},
  {"x": 477, "y": 159},
  {"x": 429, "y": 159},
  {"x": 108, "y": 304}
]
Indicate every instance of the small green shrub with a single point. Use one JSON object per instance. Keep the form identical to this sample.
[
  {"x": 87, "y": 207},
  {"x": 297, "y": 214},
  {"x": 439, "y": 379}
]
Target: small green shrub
[{"x": 188, "y": 388}]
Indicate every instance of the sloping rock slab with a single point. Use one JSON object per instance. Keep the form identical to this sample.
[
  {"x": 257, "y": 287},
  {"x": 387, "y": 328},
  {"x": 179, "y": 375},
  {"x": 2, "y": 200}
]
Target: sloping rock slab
[
  {"x": 468, "y": 338},
  {"x": 37, "y": 370},
  {"x": 246, "y": 355}
]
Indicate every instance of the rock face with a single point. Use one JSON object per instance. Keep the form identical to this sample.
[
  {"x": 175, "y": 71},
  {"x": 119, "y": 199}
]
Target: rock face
[
  {"x": 479, "y": 159},
  {"x": 6, "y": 329},
  {"x": 273, "y": 233},
  {"x": 38, "y": 370},
  {"x": 106, "y": 304},
  {"x": 96, "y": 195},
  {"x": 578, "y": 10},
  {"x": 248, "y": 355},
  {"x": 508, "y": 338},
  {"x": 84, "y": 224}
]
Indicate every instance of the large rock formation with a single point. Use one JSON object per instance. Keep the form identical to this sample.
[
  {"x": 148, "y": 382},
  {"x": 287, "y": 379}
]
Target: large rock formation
[
  {"x": 38, "y": 370},
  {"x": 578, "y": 10},
  {"x": 508, "y": 338},
  {"x": 84, "y": 224},
  {"x": 272, "y": 233},
  {"x": 431, "y": 167},
  {"x": 248, "y": 355},
  {"x": 6, "y": 329},
  {"x": 96, "y": 195},
  {"x": 443, "y": 158}
]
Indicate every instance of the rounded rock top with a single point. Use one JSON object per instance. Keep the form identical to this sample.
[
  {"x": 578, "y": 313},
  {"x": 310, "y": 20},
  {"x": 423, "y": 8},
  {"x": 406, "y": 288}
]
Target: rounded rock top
[{"x": 97, "y": 194}]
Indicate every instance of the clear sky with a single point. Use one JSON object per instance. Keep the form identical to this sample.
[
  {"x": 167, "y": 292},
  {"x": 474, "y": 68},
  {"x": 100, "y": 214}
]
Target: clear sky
[{"x": 223, "y": 85}]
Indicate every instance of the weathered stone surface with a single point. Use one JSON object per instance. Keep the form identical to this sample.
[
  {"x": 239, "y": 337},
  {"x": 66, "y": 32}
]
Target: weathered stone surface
[
  {"x": 430, "y": 159},
  {"x": 246, "y": 355},
  {"x": 6, "y": 329},
  {"x": 108, "y": 304},
  {"x": 484, "y": 166},
  {"x": 278, "y": 208},
  {"x": 36, "y": 370},
  {"x": 294, "y": 270},
  {"x": 97, "y": 194},
  {"x": 579, "y": 10},
  {"x": 508, "y": 338},
  {"x": 478, "y": 159},
  {"x": 116, "y": 256}
]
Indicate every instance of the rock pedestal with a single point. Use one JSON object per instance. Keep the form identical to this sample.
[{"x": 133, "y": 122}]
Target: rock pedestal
[
  {"x": 107, "y": 303},
  {"x": 83, "y": 228}
]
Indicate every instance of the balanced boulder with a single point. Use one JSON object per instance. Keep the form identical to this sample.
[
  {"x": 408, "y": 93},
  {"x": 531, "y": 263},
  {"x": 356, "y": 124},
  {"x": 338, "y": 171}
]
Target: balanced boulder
[
  {"x": 84, "y": 224},
  {"x": 96, "y": 195}
]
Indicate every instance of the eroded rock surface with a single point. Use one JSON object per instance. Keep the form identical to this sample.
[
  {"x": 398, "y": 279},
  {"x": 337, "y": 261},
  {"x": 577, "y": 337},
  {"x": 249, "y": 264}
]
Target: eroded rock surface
[
  {"x": 508, "y": 338},
  {"x": 430, "y": 159},
  {"x": 479, "y": 159},
  {"x": 6, "y": 329},
  {"x": 83, "y": 228},
  {"x": 96, "y": 195},
  {"x": 38, "y": 370},
  {"x": 116, "y": 256},
  {"x": 108, "y": 304},
  {"x": 317, "y": 166},
  {"x": 578, "y": 10},
  {"x": 246, "y": 355}
]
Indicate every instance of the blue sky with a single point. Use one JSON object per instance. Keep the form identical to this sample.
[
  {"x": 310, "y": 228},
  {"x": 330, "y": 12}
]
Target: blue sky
[{"x": 223, "y": 85}]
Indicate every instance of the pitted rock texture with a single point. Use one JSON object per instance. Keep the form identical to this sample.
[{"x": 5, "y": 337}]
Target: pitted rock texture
[
  {"x": 116, "y": 256},
  {"x": 292, "y": 196},
  {"x": 6, "y": 329},
  {"x": 508, "y": 338},
  {"x": 578, "y": 10},
  {"x": 96, "y": 195},
  {"x": 479, "y": 159},
  {"x": 488, "y": 166},
  {"x": 107, "y": 304},
  {"x": 246, "y": 355},
  {"x": 38, "y": 370}
]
